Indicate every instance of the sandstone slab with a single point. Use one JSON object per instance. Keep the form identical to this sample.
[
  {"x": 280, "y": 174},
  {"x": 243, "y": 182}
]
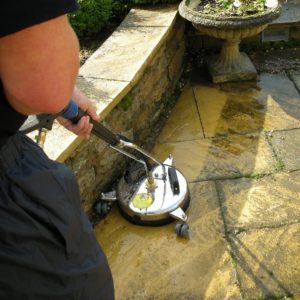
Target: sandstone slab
[
  {"x": 152, "y": 17},
  {"x": 253, "y": 203},
  {"x": 104, "y": 94},
  {"x": 268, "y": 262},
  {"x": 125, "y": 55},
  {"x": 218, "y": 158},
  {"x": 287, "y": 147},
  {"x": 152, "y": 263},
  {"x": 184, "y": 122},
  {"x": 270, "y": 104}
]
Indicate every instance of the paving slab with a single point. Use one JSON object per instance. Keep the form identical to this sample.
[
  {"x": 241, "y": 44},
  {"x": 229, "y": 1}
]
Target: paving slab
[
  {"x": 152, "y": 263},
  {"x": 152, "y": 16},
  {"x": 253, "y": 203},
  {"x": 296, "y": 79},
  {"x": 272, "y": 103},
  {"x": 127, "y": 46},
  {"x": 217, "y": 158},
  {"x": 286, "y": 145},
  {"x": 268, "y": 262},
  {"x": 184, "y": 122},
  {"x": 290, "y": 13},
  {"x": 104, "y": 94}
]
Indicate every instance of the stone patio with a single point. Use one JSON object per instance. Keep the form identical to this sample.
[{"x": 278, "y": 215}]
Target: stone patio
[{"x": 238, "y": 145}]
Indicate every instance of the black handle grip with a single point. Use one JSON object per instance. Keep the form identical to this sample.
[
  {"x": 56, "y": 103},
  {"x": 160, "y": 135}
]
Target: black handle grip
[
  {"x": 99, "y": 130},
  {"x": 73, "y": 113}
]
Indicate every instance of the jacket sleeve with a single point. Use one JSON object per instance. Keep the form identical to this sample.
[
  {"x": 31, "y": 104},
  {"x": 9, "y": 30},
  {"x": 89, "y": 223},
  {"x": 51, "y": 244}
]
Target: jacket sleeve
[{"x": 16, "y": 15}]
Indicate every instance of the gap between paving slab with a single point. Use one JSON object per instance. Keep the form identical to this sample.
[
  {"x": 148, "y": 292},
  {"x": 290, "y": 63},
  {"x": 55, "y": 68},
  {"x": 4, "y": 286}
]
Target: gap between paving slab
[{"x": 113, "y": 70}]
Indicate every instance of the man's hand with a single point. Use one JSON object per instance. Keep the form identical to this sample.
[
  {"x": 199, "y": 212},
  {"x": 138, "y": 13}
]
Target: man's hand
[{"x": 83, "y": 127}]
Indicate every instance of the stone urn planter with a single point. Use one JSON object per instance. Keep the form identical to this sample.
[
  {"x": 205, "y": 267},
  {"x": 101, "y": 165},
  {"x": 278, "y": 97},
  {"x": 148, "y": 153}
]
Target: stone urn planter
[{"x": 231, "y": 64}]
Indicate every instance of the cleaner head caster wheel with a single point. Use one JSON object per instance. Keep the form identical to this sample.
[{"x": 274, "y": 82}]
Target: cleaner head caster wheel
[
  {"x": 102, "y": 208},
  {"x": 182, "y": 229}
]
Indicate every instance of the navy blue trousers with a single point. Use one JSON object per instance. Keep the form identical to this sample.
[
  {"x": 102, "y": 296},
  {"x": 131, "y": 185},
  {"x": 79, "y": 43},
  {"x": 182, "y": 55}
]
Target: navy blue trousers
[{"x": 47, "y": 246}]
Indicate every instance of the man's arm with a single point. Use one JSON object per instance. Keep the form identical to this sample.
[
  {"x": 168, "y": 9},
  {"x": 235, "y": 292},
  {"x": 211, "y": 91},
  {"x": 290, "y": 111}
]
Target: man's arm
[
  {"x": 39, "y": 65},
  {"x": 38, "y": 69}
]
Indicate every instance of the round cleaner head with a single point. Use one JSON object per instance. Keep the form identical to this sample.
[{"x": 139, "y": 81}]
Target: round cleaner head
[{"x": 157, "y": 202}]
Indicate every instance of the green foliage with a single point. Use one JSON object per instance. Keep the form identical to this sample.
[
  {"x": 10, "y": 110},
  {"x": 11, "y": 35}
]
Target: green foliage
[
  {"x": 153, "y": 1},
  {"x": 122, "y": 7},
  {"x": 279, "y": 165},
  {"x": 96, "y": 14},
  {"x": 126, "y": 102},
  {"x": 92, "y": 16},
  {"x": 235, "y": 8}
]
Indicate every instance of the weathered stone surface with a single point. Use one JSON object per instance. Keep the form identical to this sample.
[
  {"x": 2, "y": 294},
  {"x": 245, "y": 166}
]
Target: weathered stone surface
[
  {"x": 268, "y": 262},
  {"x": 152, "y": 17},
  {"x": 247, "y": 107},
  {"x": 87, "y": 180},
  {"x": 295, "y": 32},
  {"x": 290, "y": 13},
  {"x": 128, "y": 46},
  {"x": 270, "y": 201},
  {"x": 152, "y": 263},
  {"x": 176, "y": 62},
  {"x": 217, "y": 158},
  {"x": 296, "y": 79},
  {"x": 175, "y": 40},
  {"x": 287, "y": 147},
  {"x": 105, "y": 94},
  {"x": 183, "y": 123},
  {"x": 237, "y": 70}
]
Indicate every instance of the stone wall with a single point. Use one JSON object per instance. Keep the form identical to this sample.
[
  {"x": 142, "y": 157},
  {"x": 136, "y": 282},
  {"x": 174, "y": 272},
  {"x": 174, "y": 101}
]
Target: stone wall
[{"x": 95, "y": 164}]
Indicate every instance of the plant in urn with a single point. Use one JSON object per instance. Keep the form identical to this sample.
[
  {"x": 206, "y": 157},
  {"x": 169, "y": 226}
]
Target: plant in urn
[{"x": 230, "y": 20}]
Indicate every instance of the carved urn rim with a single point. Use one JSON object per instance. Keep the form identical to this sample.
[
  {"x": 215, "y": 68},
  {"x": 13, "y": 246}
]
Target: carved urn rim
[{"x": 230, "y": 22}]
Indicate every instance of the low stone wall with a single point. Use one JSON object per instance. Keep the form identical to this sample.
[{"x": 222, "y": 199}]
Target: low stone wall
[{"x": 95, "y": 164}]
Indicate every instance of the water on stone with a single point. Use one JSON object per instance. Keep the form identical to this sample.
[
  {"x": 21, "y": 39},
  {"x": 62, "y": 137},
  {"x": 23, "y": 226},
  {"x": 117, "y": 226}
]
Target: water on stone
[{"x": 238, "y": 145}]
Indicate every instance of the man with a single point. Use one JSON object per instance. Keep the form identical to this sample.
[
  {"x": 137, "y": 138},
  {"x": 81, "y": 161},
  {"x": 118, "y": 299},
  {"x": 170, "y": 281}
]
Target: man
[{"x": 47, "y": 246}]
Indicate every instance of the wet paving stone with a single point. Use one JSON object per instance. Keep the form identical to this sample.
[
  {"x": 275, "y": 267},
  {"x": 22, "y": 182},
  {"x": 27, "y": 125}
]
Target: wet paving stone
[
  {"x": 153, "y": 263},
  {"x": 286, "y": 145},
  {"x": 268, "y": 262},
  {"x": 224, "y": 157},
  {"x": 253, "y": 203},
  {"x": 184, "y": 122},
  {"x": 295, "y": 76},
  {"x": 261, "y": 210},
  {"x": 271, "y": 103}
]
